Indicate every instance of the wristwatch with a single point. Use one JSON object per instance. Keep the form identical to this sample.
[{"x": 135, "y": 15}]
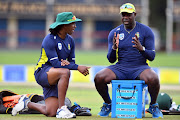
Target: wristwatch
[{"x": 143, "y": 48}]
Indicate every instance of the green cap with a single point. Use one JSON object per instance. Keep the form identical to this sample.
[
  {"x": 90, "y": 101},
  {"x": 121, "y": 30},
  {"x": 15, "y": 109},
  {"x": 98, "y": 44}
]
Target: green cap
[
  {"x": 64, "y": 18},
  {"x": 164, "y": 101}
]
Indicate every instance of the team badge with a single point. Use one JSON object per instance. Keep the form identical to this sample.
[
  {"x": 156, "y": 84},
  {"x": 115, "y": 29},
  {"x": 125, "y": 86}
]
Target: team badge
[
  {"x": 137, "y": 34},
  {"x": 121, "y": 36},
  {"x": 117, "y": 29},
  {"x": 69, "y": 47},
  {"x": 59, "y": 46}
]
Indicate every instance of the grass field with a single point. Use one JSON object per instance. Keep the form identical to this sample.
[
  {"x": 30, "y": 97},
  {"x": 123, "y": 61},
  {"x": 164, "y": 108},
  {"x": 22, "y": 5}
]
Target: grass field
[
  {"x": 96, "y": 57},
  {"x": 85, "y": 95}
]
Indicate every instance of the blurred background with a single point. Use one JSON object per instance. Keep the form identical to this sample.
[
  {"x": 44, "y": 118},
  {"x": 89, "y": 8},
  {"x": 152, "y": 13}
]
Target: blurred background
[{"x": 25, "y": 23}]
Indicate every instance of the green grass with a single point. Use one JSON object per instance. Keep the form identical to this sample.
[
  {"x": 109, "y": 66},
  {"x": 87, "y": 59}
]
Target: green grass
[
  {"x": 84, "y": 94},
  {"x": 19, "y": 56},
  {"x": 96, "y": 57},
  {"x": 166, "y": 60}
]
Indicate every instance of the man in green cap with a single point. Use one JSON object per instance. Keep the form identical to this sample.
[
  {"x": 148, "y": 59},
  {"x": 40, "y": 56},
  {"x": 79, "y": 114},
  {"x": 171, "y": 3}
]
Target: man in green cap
[
  {"x": 53, "y": 68},
  {"x": 132, "y": 44}
]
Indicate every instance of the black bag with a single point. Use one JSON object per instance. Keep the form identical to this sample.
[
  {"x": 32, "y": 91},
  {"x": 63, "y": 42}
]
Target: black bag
[{"x": 80, "y": 111}]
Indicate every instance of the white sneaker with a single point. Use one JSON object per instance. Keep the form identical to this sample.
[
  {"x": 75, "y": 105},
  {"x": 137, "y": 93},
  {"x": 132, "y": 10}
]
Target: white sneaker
[
  {"x": 64, "y": 113},
  {"x": 21, "y": 105}
]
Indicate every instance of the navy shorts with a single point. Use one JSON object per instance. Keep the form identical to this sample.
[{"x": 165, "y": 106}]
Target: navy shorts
[
  {"x": 127, "y": 72},
  {"x": 41, "y": 78}
]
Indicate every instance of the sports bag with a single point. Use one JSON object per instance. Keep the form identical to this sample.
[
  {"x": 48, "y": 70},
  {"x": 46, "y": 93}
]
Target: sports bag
[{"x": 9, "y": 99}]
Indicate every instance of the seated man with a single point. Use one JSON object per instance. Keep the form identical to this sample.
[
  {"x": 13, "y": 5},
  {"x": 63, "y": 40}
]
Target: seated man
[{"x": 132, "y": 43}]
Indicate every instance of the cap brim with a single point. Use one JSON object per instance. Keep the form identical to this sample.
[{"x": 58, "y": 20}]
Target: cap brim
[
  {"x": 55, "y": 24},
  {"x": 127, "y": 11}
]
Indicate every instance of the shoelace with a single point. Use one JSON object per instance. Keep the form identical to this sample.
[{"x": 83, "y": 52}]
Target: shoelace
[
  {"x": 104, "y": 108},
  {"x": 154, "y": 109}
]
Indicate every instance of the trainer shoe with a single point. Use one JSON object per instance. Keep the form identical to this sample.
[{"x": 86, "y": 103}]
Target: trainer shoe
[
  {"x": 21, "y": 105},
  {"x": 105, "y": 110},
  {"x": 155, "y": 111},
  {"x": 64, "y": 113}
]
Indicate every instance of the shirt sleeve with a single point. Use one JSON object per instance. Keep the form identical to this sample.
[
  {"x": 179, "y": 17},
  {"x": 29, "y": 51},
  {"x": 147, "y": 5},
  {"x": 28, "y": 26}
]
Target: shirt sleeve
[
  {"x": 71, "y": 57},
  {"x": 149, "y": 45},
  {"x": 50, "y": 50},
  {"x": 111, "y": 56}
]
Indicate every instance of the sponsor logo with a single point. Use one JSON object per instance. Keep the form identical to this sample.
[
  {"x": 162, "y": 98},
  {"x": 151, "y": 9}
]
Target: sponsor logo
[
  {"x": 121, "y": 36},
  {"x": 59, "y": 46},
  {"x": 73, "y": 19}
]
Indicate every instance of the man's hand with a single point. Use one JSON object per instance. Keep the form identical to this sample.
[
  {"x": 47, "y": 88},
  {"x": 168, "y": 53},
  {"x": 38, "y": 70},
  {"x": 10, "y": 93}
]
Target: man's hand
[
  {"x": 83, "y": 69},
  {"x": 115, "y": 41},
  {"x": 64, "y": 62},
  {"x": 137, "y": 43}
]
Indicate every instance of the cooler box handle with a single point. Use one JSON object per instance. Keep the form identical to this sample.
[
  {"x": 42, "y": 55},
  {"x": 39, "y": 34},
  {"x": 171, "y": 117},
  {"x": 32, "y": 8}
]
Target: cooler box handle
[{"x": 119, "y": 87}]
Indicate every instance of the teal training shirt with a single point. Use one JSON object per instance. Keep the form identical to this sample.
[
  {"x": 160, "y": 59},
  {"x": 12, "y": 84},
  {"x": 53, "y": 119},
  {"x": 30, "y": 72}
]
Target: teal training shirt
[
  {"x": 54, "y": 49},
  {"x": 126, "y": 54}
]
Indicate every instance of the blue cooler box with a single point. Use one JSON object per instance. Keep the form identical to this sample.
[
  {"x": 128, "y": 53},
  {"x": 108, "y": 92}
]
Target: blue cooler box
[{"x": 128, "y": 99}]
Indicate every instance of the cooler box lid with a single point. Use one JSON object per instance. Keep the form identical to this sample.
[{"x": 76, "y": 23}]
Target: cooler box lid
[{"x": 129, "y": 81}]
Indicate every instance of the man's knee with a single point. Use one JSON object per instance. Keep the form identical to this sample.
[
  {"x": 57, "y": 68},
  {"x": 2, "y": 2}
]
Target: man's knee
[
  {"x": 149, "y": 76},
  {"x": 102, "y": 78},
  {"x": 153, "y": 79},
  {"x": 65, "y": 73},
  {"x": 98, "y": 78}
]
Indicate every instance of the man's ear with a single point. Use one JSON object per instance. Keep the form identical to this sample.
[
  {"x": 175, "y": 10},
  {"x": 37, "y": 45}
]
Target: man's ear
[{"x": 134, "y": 14}]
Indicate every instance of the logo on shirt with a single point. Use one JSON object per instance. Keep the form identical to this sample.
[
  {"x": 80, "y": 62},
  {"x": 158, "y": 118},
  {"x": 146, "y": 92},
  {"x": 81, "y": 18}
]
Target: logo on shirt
[
  {"x": 59, "y": 46},
  {"x": 121, "y": 36},
  {"x": 137, "y": 34},
  {"x": 69, "y": 47},
  {"x": 118, "y": 29}
]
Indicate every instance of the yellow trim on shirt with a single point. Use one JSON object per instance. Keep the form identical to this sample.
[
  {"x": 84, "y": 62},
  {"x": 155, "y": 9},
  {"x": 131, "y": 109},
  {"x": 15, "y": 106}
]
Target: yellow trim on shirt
[
  {"x": 43, "y": 59},
  {"x": 116, "y": 53},
  {"x": 147, "y": 61}
]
